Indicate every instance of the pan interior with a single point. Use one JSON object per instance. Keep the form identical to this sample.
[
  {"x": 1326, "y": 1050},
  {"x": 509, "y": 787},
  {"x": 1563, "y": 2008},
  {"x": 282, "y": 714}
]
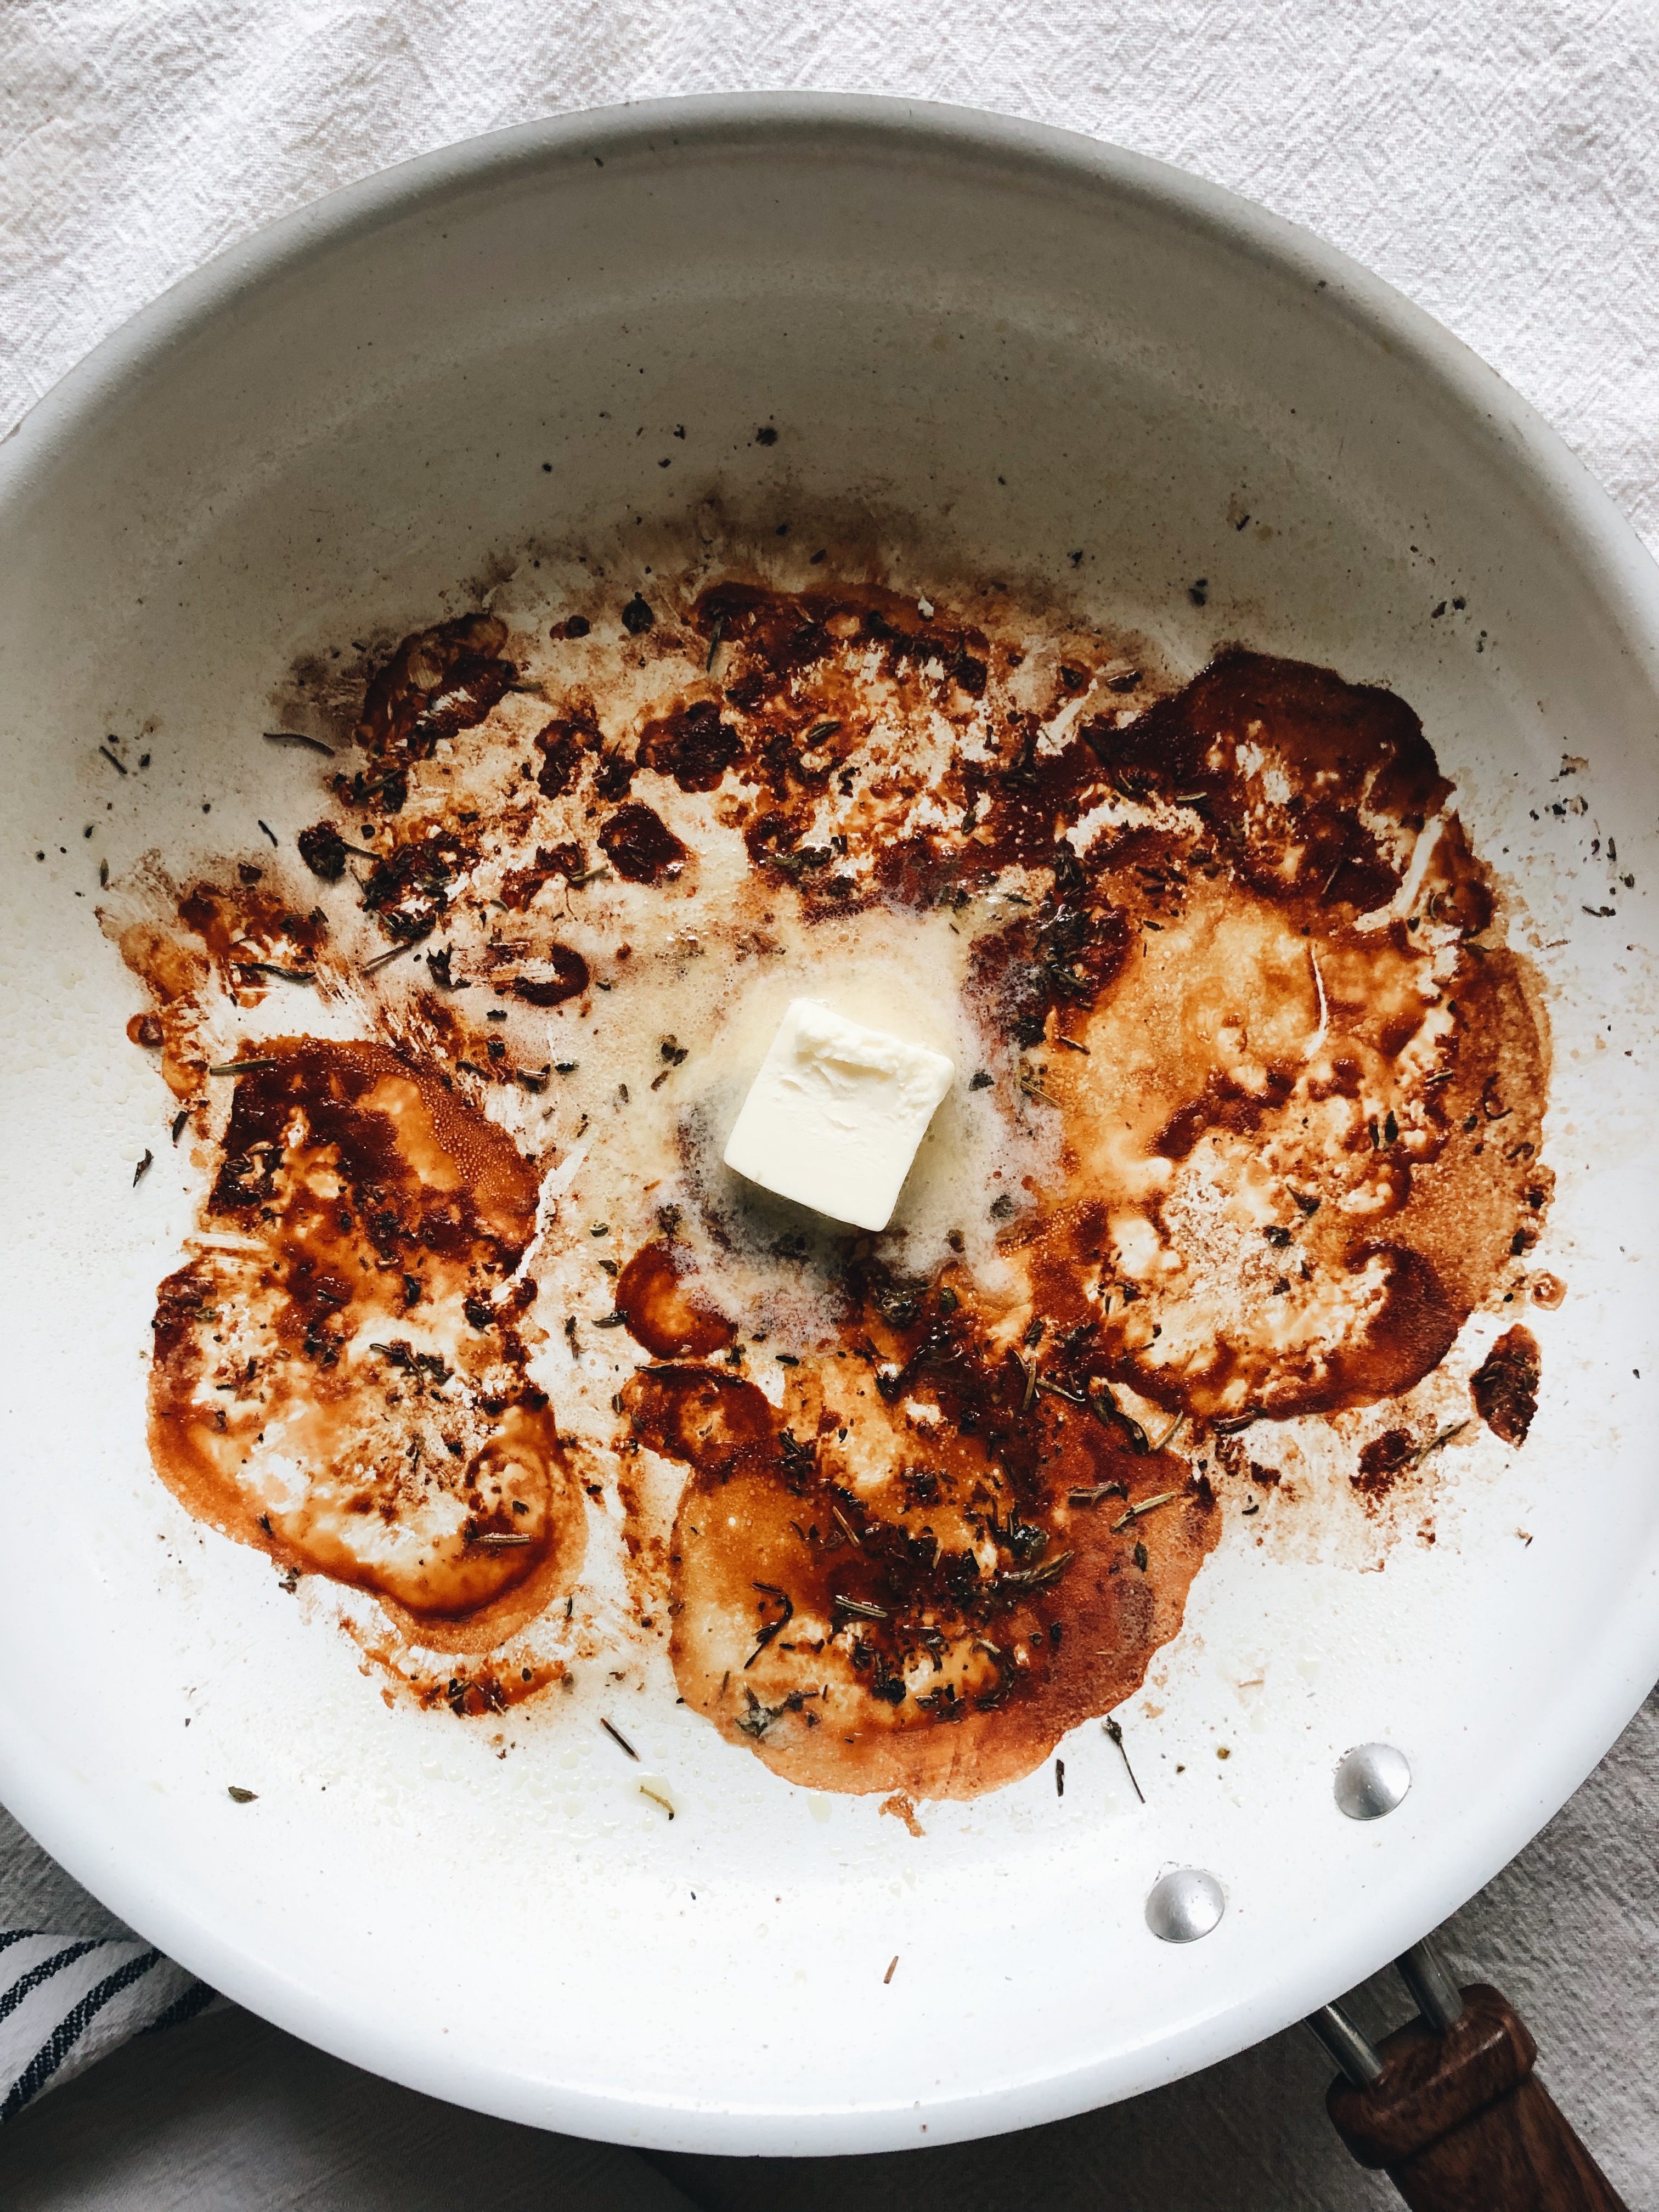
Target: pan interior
[{"x": 1007, "y": 355}]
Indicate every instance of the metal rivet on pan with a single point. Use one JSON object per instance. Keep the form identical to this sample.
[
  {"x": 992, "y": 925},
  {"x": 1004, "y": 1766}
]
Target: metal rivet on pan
[
  {"x": 1371, "y": 1781},
  {"x": 1183, "y": 1906}
]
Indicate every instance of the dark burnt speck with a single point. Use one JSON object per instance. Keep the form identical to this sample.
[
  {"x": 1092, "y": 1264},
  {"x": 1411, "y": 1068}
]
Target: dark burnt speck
[
  {"x": 640, "y": 845},
  {"x": 323, "y": 850},
  {"x": 1505, "y": 1387}
]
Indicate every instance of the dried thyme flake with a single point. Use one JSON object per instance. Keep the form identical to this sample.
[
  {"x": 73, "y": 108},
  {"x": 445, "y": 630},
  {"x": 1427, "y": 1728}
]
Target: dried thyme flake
[
  {"x": 852, "y": 1533},
  {"x": 295, "y": 737},
  {"x": 1058, "y": 1390},
  {"x": 771, "y": 1628},
  {"x": 1031, "y": 1578},
  {"x": 1116, "y": 1733},
  {"x": 617, "y": 1737},
  {"x": 1103, "y": 1405},
  {"x": 269, "y": 968},
  {"x": 1030, "y": 1083},
  {"x": 1236, "y": 1423},
  {"x": 384, "y": 959},
  {"x": 1146, "y": 1505},
  {"x": 1097, "y": 1494},
  {"x": 1434, "y": 1443}
]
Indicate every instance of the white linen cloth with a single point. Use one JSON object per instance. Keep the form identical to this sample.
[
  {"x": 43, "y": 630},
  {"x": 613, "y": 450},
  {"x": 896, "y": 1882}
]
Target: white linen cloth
[{"x": 1497, "y": 164}]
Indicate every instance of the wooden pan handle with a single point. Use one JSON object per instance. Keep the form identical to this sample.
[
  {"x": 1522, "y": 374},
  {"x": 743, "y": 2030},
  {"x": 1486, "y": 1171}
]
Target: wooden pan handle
[{"x": 1460, "y": 2123}]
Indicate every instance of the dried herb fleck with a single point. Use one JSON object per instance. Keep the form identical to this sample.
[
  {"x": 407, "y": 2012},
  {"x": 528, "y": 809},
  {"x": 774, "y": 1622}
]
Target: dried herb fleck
[
  {"x": 771, "y": 1628},
  {"x": 295, "y": 737},
  {"x": 1116, "y": 1733}
]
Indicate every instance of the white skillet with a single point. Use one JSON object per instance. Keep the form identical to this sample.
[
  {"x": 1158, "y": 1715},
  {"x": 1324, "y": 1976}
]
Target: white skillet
[{"x": 1035, "y": 347}]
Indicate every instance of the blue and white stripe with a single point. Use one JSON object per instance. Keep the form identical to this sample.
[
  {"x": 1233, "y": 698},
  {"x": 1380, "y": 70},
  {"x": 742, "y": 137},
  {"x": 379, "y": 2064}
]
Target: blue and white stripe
[{"x": 66, "y": 2002}]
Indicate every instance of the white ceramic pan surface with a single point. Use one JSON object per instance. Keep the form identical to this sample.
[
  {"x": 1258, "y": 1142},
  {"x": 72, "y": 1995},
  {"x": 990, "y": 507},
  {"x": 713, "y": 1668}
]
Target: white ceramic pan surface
[{"x": 1030, "y": 346}]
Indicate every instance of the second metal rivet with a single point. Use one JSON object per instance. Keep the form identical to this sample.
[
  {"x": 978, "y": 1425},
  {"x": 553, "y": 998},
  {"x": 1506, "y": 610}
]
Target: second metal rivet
[
  {"x": 1183, "y": 1906},
  {"x": 1371, "y": 1781}
]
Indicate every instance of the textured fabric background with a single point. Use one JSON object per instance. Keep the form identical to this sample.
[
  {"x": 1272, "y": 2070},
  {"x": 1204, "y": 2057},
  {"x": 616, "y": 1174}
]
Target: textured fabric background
[
  {"x": 1496, "y": 163},
  {"x": 1500, "y": 165}
]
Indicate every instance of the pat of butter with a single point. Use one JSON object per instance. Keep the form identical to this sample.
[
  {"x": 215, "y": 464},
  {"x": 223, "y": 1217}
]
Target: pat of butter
[{"x": 834, "y": 1115}]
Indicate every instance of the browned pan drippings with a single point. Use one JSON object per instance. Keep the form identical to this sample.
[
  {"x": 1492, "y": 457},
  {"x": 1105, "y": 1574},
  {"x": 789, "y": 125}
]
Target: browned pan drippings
[
  {"x": 339, "y": 1366},
  {"x": 1247, "y": 1127}
]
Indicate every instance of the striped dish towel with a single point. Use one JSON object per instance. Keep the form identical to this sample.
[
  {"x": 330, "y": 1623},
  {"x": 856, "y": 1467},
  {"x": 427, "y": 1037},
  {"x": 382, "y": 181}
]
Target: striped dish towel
[{"x": 66, "y": 2002}]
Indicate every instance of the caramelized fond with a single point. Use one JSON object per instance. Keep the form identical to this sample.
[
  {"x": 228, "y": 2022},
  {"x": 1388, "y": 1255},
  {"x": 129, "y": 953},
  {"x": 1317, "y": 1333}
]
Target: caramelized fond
[{"x": 1259, "y": 1091}]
